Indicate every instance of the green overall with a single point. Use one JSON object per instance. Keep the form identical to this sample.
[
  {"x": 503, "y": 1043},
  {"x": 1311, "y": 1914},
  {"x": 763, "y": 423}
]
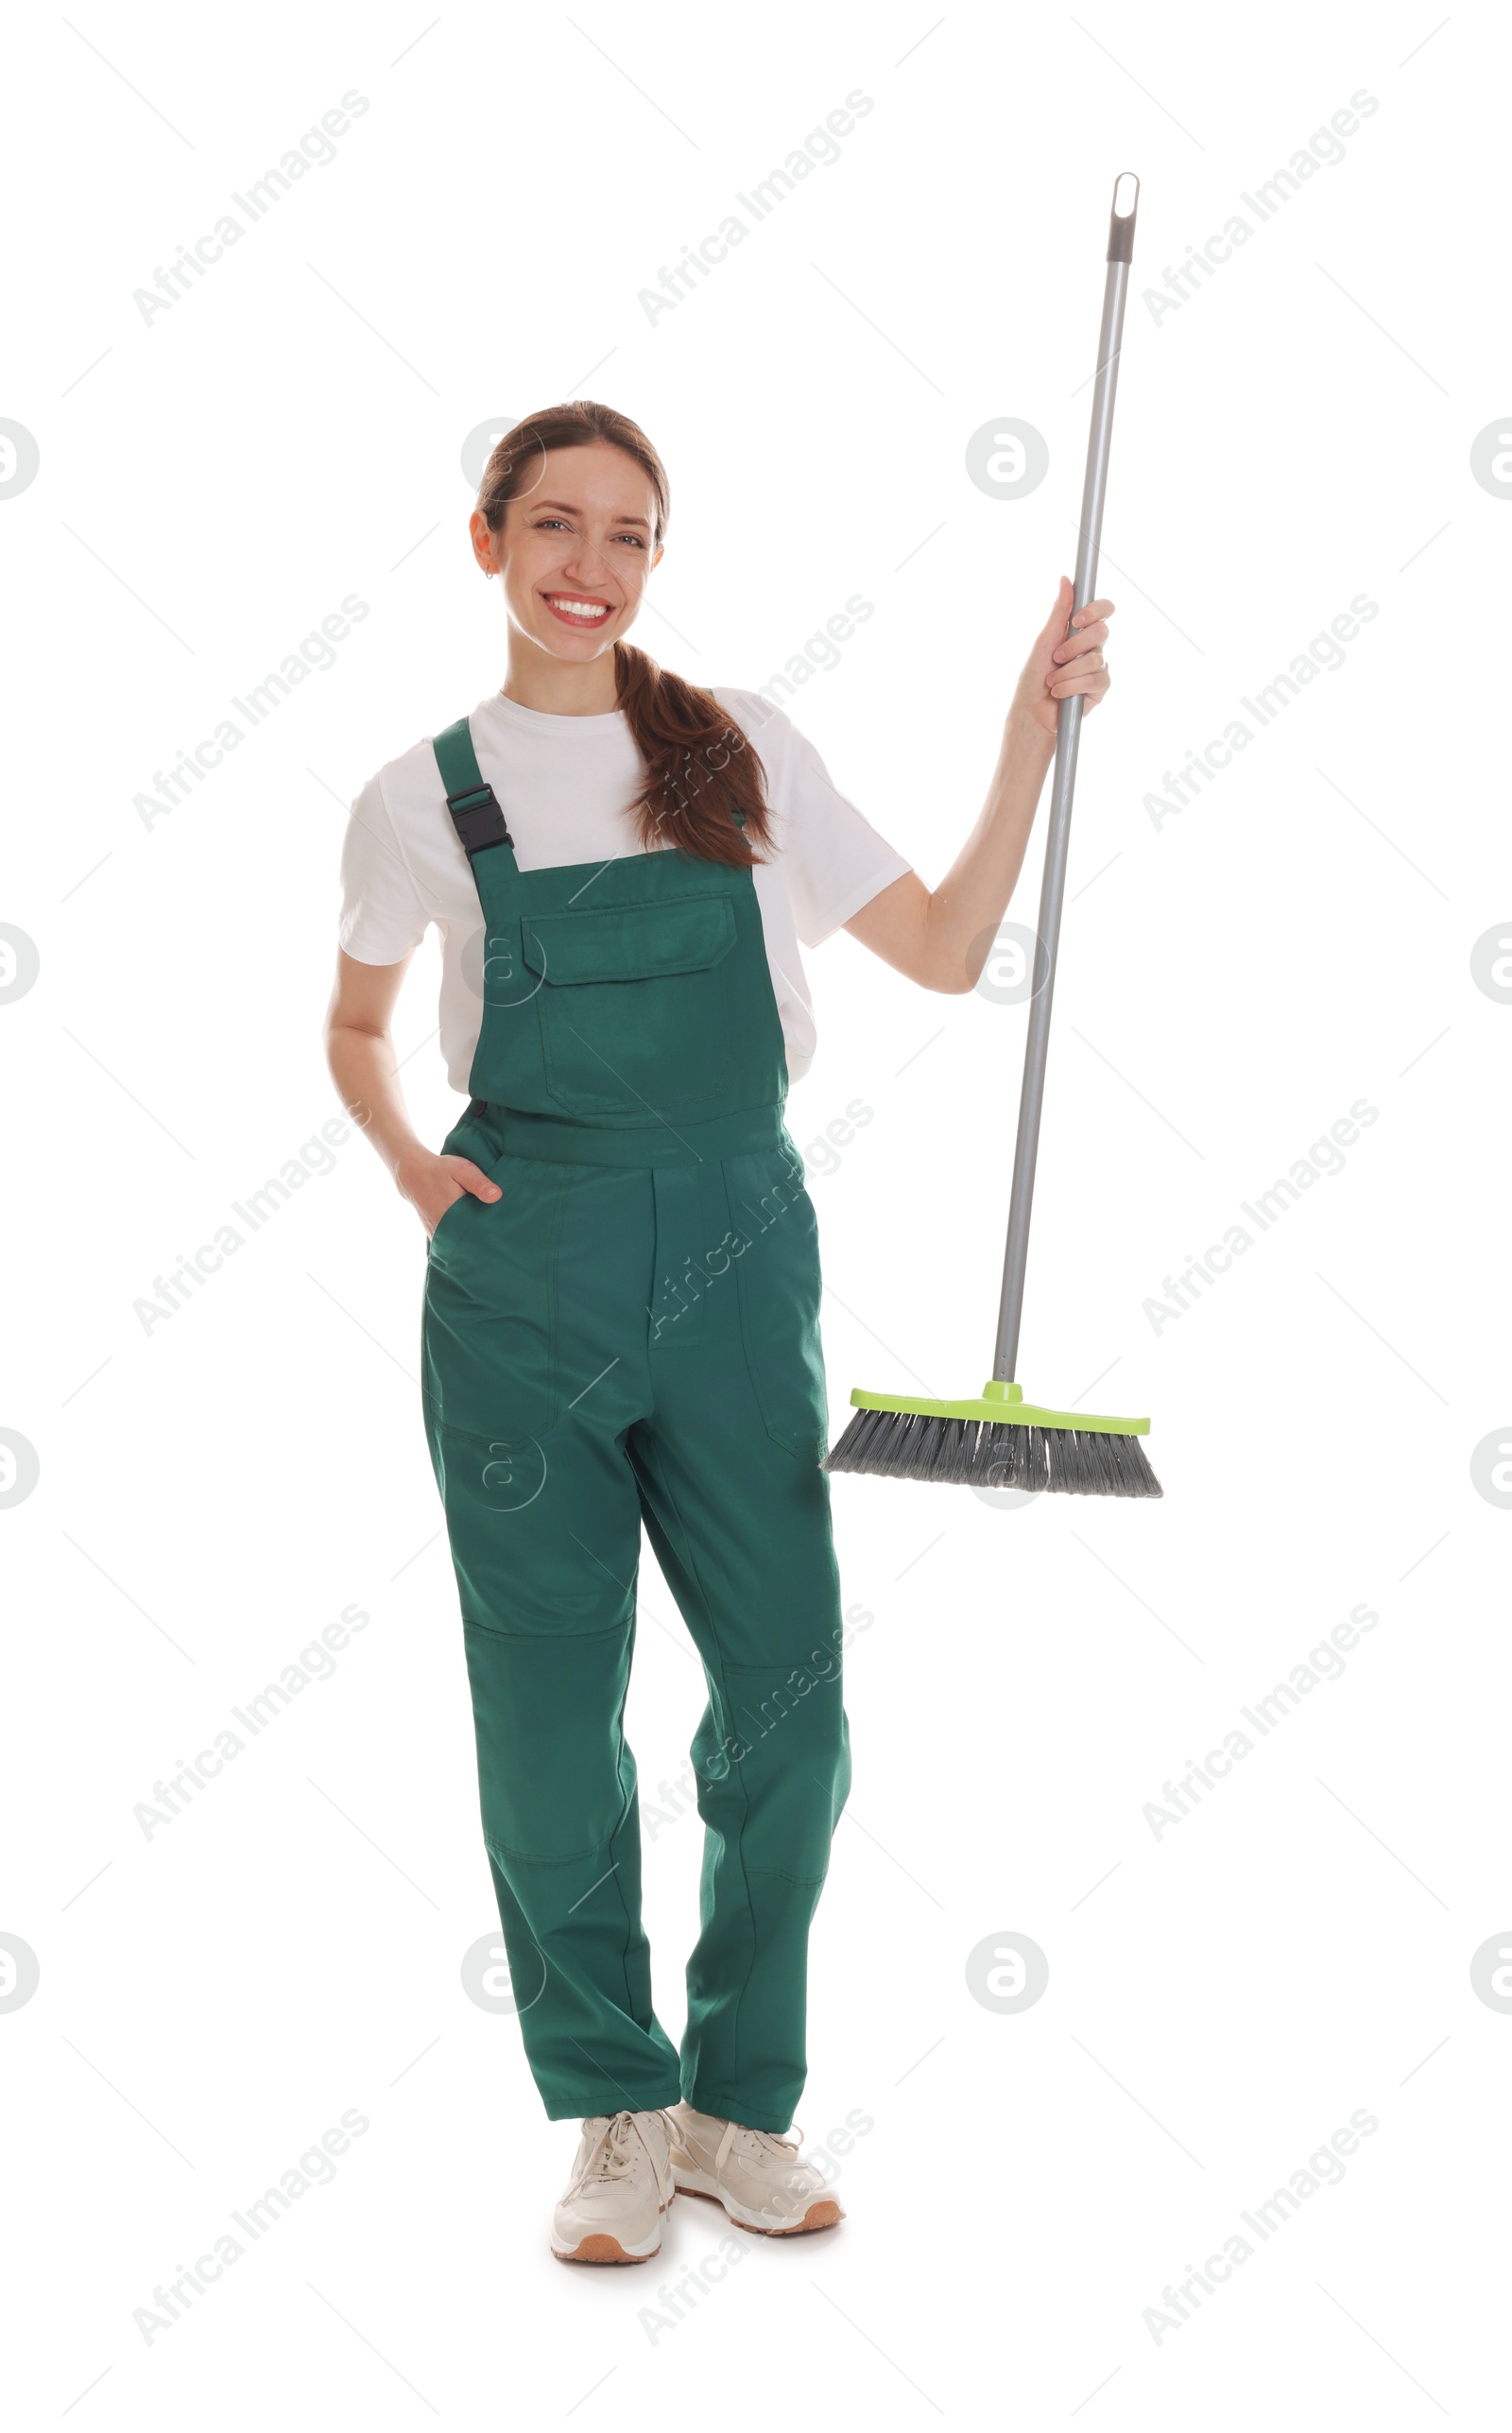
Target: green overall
[{"x": 631, "y": 1334}]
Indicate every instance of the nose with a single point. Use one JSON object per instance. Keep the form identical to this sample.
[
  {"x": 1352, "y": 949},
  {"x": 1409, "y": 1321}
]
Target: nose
[{"x": 587, "y": 565}]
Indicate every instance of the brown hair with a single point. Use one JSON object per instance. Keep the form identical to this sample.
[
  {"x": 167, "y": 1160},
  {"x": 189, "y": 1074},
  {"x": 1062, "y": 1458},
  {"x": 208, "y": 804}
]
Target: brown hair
[{"x": 699, "y": 766}]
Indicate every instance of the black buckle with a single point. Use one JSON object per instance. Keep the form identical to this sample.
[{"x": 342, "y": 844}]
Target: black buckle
[{"x": 479, "y": 818}]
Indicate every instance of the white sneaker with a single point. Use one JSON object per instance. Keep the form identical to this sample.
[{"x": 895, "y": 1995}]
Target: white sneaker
[
  {"x": 760, "y": 2180},
  {"x": 622, "y": 2184}
]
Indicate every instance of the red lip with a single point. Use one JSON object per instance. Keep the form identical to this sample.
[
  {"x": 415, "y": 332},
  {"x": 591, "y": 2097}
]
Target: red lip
[{"x": 578, "y": 624}]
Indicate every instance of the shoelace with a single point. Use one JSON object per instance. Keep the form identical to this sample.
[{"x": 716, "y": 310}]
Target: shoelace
[
  {"x": 768, "y": 2142},
  {"x": 614, "y": 2152}
]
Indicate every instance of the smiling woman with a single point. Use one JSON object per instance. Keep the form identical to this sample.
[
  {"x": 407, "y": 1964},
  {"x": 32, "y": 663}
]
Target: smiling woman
[
  {"x": 621, "y": 1318},
  {"x": 698, "y": 770}
]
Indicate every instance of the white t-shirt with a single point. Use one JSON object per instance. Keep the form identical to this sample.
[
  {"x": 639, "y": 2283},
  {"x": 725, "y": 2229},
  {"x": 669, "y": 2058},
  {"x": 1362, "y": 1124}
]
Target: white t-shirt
[{"x": 566, "y": 786}]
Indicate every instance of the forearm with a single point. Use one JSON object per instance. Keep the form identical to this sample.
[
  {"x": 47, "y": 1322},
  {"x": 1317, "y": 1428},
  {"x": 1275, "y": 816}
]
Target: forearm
[
  {"x": 943, "y": 940},
  {"x": 965, "y": 909},
  {"x": 365, "y": 1072}
]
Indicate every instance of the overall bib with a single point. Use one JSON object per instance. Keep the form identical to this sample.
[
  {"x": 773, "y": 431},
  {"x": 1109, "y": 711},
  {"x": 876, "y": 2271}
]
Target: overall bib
[{"x": 629, "y": 1334}]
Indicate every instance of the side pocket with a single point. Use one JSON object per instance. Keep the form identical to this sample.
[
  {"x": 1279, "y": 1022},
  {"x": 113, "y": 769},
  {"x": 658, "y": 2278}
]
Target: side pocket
[
  {"x": 469, "y": 1138},
  {"x": 489, "y": 1364},
  {"x": 779, "y": 1285},
  {"x": 446, "y": 1215}
]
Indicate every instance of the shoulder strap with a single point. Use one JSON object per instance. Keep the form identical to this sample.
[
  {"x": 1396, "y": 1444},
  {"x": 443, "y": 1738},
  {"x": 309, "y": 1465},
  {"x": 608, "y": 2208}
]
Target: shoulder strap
[{"x": 476, "y": 813}]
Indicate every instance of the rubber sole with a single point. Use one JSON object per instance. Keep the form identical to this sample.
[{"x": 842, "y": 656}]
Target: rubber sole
[
  {"x": 822, "y": 2214},
  {"x": 602, "y": 2247}
]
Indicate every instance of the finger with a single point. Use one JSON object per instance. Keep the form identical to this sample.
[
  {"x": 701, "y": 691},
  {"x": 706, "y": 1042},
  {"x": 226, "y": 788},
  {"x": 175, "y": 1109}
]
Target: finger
[
  {"x": 1084, "y": 666},
  {"x": 1088, "y": 665},
  {"x": 1096, "y": 682},
  {"x": 1068, "y": 624},
  {"x": 472, "y": 1177},
  {"x": 1055, "y": 622},
  {"x": 1091, "y": 637}
]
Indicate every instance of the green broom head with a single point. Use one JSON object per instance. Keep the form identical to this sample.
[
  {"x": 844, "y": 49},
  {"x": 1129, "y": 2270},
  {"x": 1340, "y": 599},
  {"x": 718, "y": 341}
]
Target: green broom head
[{"x": 996, "y": 1441}]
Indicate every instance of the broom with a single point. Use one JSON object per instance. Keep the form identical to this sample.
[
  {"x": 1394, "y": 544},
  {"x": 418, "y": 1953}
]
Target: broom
[{"x": 996, "y": 1439}]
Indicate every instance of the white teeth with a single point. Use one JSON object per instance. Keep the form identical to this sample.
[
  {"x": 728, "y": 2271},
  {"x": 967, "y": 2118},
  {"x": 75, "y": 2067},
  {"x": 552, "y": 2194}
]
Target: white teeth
[{"x": 581, "y": 608}]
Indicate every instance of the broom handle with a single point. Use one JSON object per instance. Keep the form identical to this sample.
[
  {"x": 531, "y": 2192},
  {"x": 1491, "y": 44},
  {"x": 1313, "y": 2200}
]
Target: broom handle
[{"x": 1068, "y": 735}]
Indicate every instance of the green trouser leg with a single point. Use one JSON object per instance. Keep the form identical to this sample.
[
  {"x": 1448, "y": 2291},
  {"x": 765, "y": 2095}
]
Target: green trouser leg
[
  {"x": 562, "y": 1834},
  {"x": 676, "y": 1382}
]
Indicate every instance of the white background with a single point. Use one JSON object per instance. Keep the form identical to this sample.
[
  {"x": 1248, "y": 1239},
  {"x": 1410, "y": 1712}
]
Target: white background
[{"x": 213, "y": 1492}]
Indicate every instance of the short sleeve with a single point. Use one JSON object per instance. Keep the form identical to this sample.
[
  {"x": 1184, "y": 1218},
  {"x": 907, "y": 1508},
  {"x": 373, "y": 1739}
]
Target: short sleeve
[
  {"x": 381, "y": 917},
  {"x": 834, "y": 860}
]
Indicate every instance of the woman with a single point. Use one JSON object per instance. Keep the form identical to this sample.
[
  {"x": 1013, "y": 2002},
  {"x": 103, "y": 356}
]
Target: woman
[{"x": 622, "y": 1291}]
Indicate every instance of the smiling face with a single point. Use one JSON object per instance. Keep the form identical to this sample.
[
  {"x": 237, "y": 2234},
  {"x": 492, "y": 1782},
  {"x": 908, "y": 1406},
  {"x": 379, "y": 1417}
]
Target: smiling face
[{"x": 574, "y": 550}]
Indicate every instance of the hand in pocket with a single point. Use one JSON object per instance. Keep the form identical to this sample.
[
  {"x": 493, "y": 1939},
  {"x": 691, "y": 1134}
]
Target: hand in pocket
[{"x": 434, "y": 1184}]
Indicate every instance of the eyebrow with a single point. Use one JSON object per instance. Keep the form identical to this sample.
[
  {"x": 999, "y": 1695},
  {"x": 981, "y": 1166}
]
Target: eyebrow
[{"x": 569, "y": 510}]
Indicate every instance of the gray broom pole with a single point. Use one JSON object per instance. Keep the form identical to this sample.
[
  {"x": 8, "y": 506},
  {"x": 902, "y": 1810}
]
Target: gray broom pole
[{"x": 1068, "y": 735}]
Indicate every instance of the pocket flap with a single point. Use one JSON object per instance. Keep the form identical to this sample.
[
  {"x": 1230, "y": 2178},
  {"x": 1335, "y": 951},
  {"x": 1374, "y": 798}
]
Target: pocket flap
[{"x": 629, "y": 941}]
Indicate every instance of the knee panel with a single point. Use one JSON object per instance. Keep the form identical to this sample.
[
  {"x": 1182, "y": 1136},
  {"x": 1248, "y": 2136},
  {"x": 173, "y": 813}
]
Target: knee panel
[
  {"x": 554, "y": 1775},
  {"x": 774, "y": 1761}
]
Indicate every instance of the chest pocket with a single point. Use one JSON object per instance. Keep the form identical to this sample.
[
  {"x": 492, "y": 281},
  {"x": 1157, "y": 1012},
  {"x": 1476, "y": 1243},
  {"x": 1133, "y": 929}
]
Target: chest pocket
[{"x": 634, "y": 1008}]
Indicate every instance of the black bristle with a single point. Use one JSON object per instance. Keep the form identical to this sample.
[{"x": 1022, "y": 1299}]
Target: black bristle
[
  {"x": 882, "y": 1450},
  {"x": 992, "y": 1466},
  {"x": 838, "y": 1456},
  {"x": 957, "y": 1453},
  {"x": 843, "y": 1455},
  {"x": 982, "y": 1456},
  {"x": 871, "y": 1441},
  {"x": 973, "y": 1453},
  {"x": 913, "y": 1460}
]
